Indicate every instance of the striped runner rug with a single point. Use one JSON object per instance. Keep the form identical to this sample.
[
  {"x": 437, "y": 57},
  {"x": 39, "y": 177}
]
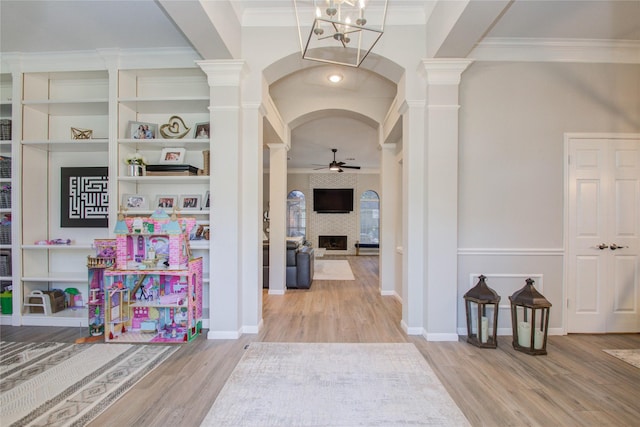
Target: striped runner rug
[{"x": 61, "y": 384}]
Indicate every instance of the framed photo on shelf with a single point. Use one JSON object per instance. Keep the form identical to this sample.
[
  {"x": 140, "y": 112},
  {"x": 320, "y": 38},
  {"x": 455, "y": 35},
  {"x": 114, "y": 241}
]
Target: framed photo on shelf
[
  {"x": 165, "y": 201},
  {"x": 205, "y": 203},
  {"x": 190, "y": 201},
  {"x": 172, "y": 156},
  {"x": 200, "y": 231},
  {"x": 135, "y": 202},
  {"x": 201, "y": 131},
  {"x": 142, "y": 130}
]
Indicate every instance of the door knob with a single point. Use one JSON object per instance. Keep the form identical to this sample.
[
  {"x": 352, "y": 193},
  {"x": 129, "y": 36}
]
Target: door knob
[
  {"x": 602, "y": 246},
  {"x": 613, "y": 247}
]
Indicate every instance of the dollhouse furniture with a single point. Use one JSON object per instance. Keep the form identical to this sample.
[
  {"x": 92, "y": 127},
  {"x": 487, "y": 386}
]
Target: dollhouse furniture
[{"x": 154, "y": 292}]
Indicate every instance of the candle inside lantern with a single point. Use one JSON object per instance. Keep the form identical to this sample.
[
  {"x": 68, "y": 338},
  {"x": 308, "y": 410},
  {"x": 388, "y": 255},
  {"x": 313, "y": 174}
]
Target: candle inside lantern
[
  {"x": 537, "y": 339},
  {"x": 484, "y": 329},
  {"x": 524, "y": 334}
]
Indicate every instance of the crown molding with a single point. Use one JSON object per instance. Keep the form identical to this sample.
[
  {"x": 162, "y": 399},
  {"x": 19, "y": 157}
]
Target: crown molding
[{"x": 557, "y": 50}]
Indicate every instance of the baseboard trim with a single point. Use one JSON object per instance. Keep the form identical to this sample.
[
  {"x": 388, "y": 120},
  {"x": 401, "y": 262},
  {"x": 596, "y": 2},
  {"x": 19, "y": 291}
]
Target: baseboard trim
[
  {"x": 440, "y": 336},
  {"x": 223, "y": 335}
]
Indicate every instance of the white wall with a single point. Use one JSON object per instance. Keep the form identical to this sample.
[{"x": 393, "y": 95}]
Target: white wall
[{"x": 511, "y": 185}]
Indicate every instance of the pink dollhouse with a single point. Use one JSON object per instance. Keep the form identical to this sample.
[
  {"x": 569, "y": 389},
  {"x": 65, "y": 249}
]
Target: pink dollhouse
[{"x": 154, "y": 293}]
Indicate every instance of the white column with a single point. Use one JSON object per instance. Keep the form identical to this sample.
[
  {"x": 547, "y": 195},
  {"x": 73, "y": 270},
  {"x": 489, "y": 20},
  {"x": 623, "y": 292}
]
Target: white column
[
  {"x": 441, "y": 234},
  {"x": 413, "y": 217},
  {"x": 388, "y": 212},
  {"x": 277, "y": 218},
  {"x": 251, "y": 219},
  {"x": 225, "y": 267}
]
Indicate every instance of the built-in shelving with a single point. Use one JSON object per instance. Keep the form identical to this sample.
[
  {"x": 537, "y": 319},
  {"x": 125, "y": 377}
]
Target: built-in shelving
[{"x": 46, "y": 107}]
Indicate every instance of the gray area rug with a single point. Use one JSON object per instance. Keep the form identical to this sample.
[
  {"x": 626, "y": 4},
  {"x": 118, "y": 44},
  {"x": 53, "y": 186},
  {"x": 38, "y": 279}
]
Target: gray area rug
[
  {"x": 317, "y": 384},
  {"x": 632, "y": 357},
  {"x": 54, "y": 384}
]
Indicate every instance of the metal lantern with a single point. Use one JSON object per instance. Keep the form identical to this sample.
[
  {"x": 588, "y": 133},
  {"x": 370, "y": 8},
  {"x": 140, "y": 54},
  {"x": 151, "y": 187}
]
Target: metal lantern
[
  {"x": 481, "y": 302},
  {"x": 529, "y": 320}
]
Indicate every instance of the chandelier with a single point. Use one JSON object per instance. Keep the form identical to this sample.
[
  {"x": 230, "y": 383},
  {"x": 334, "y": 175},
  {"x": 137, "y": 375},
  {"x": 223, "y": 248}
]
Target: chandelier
[{"x": 340, "y": 32}]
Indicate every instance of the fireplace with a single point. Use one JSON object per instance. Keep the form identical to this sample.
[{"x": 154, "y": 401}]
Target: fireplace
[{"x": 333, "y": 243}]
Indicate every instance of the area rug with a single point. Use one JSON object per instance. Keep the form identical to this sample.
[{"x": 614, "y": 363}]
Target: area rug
[
  {"x": 55, "y": 384},
  {"x": 332, "y": 270},
  {"x": 327, "y": 384},
  {"x": 632, "y": 357}
]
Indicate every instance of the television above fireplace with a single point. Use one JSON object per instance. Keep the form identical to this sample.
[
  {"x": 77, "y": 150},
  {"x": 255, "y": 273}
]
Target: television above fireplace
[{"x": 333, "y": 200}]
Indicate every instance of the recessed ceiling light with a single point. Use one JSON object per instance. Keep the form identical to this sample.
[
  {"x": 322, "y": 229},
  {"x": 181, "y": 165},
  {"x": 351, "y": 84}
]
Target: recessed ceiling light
[{"x": 335, "y": 78}]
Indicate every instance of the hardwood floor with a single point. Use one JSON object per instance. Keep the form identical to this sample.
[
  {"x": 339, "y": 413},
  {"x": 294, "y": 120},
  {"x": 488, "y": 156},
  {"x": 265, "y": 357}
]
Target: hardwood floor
[{"x": 576, "y": 384}]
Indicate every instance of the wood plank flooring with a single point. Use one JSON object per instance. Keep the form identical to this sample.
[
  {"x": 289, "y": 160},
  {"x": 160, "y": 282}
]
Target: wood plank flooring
[{"x": 576, "y": 384}]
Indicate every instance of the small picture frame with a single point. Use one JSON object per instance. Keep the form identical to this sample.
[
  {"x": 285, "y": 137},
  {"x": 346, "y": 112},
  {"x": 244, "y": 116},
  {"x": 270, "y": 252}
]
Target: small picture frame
[
  {"x": 205, "y": 201},
  {"x": 142, "y": 130},
  {"x": 200, "y": 231},
  {"x": 165, "y": 201},
  {"x": 135, "y": 202},
  {"x": 190, "y": 202},
  {"x": 201, "y": 131},
  {"x": 172, "y": 156}
]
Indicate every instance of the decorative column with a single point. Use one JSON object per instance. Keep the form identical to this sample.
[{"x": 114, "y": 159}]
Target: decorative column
[
  {"x": 441, "y": 233},
  {"x": 277, "y": 218},
  {"x": 225, "y": 266},
  {"x": 388, "y": 218},
  {"x": 413, "y": 216}
]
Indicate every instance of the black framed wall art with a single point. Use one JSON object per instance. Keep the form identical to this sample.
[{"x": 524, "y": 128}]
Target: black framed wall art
[{"x": 84, "y": 197}]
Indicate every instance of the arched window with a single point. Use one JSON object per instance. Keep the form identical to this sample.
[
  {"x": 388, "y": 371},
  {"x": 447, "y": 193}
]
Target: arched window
[
  {"x": 369, "y": 217},
  {"x": 296, "y": 214}
]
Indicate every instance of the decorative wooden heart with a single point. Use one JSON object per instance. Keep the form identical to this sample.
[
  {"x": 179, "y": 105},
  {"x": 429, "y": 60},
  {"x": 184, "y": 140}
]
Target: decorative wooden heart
[{"x": 175, "y": 129}]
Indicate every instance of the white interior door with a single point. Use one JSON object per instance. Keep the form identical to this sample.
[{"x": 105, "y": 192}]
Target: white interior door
[{"x": 603, "y": 250}]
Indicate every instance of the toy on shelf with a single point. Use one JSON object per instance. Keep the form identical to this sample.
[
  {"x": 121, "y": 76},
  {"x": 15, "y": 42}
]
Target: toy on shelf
[{"x": 155, "y": 288}]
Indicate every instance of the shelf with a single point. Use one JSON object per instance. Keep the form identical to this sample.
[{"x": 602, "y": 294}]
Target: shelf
[
  {"x": 60, "y": 247},
  {"x": 70, "y": 107},
  {"x": 181, "y": 213},
  {"x": 161, "y": 105},
  {"x": 74, "y": 145},
  {"x": 183, "y": 180},
  {"x": 66, "y": 277},
  {"x": 68, "y": 318},
  {"x": 188, "y": 143},
  {"x": 199, "y": 244}
]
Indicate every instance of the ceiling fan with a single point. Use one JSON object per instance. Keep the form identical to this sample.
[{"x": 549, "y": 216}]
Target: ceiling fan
[{"x": 337, "y": 166}]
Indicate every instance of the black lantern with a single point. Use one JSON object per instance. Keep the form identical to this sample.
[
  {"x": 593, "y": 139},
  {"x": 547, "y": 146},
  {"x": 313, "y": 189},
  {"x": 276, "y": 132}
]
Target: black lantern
[
  {"x": 529, "y": 320},
  {"x": 483, "y": 301}
]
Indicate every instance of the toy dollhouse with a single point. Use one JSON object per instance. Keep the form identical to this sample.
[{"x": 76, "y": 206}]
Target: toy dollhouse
[
  {"x": 154, "y": 293},
  {"x": 105, "y": 257}
]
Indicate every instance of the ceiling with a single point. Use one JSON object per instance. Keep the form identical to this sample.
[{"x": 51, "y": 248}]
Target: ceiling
[{"x": 58, "y": 26}]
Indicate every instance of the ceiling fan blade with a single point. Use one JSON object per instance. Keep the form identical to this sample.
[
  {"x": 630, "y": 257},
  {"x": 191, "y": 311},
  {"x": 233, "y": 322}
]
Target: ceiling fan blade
[
  {"x": 340, "y": 171},
  {"x": 339, "y": 163},
  {"x": 350, "y": 167}
]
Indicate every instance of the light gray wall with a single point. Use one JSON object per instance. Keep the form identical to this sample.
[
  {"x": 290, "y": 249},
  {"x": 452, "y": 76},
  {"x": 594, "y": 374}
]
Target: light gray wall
[{"x": 513, "y": 118}]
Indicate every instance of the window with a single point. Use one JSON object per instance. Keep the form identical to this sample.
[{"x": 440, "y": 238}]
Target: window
[
  {"x": 296, "y": 214},
  {"x": 369, "y": 217}
]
